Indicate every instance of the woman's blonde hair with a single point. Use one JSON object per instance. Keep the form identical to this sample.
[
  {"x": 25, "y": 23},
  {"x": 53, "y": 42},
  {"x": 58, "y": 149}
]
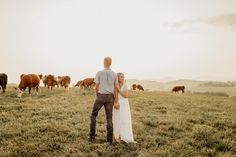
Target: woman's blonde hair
[{"x": 119, "y": 73}]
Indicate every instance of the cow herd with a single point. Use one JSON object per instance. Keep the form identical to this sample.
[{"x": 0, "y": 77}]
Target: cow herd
[
  {"x": 32, "y": 82},
  {"x": 50, "y": 81}
]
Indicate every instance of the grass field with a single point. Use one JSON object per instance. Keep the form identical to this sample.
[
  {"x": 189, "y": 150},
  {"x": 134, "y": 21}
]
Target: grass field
[{"x": 164, "y": 124}]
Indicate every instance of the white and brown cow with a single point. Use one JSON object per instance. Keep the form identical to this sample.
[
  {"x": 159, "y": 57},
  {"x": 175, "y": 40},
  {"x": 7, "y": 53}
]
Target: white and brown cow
[
  {"x": 30, "y": 81},
  {"x": 64, "y": 81}
]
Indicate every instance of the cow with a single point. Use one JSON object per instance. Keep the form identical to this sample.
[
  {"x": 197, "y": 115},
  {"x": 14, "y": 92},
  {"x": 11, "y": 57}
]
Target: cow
[
  {"x": 40, "y": 76},
  {"x": 86, "y": 83},
  {"x": 140, "y": 88},
  {"x": 3, "y": 81},
  {"x": 134, "y": 87},
  {"x": 78, "y": 84},
  {"x": 50, "y": 81},
  {"x": 65, "y": 81},
  {"x": 178, "y": 88},
  {"x": 30, "y": 81}
]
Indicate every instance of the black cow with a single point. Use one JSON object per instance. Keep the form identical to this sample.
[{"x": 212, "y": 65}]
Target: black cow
[{"x": 3, "y": 81}]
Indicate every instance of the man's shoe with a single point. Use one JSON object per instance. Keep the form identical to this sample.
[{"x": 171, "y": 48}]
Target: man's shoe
[{"x": 109, "y": 141}]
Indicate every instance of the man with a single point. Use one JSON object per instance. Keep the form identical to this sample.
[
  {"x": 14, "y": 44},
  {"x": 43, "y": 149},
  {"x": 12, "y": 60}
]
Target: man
[{"x": 106, "y": 91}]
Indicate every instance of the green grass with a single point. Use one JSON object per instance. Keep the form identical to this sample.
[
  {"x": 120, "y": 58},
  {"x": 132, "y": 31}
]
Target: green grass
[{"x": 164, "y": 124}]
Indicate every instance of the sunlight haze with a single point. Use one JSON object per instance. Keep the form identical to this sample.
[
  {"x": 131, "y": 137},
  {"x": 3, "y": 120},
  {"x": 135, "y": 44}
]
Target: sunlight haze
[{"x": 147, "y": 39}]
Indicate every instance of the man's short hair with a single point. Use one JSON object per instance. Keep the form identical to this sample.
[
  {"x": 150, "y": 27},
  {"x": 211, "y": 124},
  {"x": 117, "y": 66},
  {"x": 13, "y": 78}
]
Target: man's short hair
[{"x": 107, "y": 61}]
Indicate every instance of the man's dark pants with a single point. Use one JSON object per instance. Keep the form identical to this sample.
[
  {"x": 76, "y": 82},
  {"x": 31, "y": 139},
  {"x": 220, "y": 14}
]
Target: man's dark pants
[{"x": 106, "y": 100}]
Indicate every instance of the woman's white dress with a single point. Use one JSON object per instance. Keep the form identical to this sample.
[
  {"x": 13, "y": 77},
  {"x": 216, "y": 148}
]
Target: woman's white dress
[{"x": 122, "y": 125}]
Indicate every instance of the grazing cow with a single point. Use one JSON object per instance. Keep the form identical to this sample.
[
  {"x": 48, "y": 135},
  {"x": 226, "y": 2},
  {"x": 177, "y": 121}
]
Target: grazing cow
[
  {"x": 65, "y": 81},
  {"x": 134, "y": 87},
  {"x": 139, "y": 87},
  {"x": 40, "y": 76},
  {"x": 30, "y": 81},
  {"x": 86, "y": 83},
  {"x": 78, "y": 84},
  {"x": 178, "y": 88},
  {"x": 50, "y": 81},
  {"x": 3, "y": 81}
]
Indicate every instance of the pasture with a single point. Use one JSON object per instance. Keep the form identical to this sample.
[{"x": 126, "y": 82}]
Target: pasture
[{"x": 164, "y": 124}]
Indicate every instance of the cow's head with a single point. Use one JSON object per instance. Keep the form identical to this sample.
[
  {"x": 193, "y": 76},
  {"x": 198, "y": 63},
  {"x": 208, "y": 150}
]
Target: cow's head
[{"x": 19, "y": 92}]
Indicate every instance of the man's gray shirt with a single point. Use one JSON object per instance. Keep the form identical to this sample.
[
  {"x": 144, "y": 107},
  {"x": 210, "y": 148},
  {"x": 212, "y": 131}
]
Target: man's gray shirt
[{"x": 107, "y": 79}]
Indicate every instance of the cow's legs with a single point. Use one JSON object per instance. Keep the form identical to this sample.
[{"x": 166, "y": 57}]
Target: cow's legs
[
  {"x": 29, "y": 90},
  {"x": 34, "y": 91},
  {"x": 3, "y": 89},
  {"x": 37, "y": 90}
]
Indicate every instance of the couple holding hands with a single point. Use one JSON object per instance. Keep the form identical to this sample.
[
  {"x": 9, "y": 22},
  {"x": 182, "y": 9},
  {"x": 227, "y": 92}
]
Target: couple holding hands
[{"x": 112, "y": 93}]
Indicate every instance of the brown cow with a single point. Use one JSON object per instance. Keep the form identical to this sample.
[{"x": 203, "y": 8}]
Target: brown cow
[
  {"x": 40, "y": 76},
  {"x": 50, "y": 81},
  {"x": 30, "y": 81},
  {"x": 134, "y": 87},
  {"x": 178, "y": 88},
  {"x": 86, "y": 83},
  {"x": 139, "y": 87},
  {"x": 78, "y": 84},
  {"x": 65, "y": 81}
]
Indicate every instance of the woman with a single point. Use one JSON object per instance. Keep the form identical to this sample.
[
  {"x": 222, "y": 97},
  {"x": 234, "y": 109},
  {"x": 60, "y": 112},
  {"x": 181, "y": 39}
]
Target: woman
[{"x": 122, "y": 117}]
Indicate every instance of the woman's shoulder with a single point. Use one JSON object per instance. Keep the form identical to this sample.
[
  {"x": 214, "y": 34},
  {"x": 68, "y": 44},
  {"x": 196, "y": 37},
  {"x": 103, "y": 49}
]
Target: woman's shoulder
[{"x": 125, "y": 87}]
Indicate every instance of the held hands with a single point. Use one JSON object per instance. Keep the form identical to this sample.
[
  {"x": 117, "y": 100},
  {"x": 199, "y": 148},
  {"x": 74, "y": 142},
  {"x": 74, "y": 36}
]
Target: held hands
[{"x": 116, "y": 106}]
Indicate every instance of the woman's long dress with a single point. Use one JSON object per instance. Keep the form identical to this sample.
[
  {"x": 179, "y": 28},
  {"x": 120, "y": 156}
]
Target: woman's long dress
[{"x": 122, "y": 124}]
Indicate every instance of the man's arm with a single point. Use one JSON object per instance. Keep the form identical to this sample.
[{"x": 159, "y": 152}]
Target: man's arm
[
  {"x": 97, "y": 81},
  {"x": 97, "y": 88}
]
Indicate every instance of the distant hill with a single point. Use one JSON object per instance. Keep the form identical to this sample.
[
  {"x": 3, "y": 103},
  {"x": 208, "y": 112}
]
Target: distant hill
[
  {"x": 191, "y": 86},
  {"x": 164, "y": 86}
]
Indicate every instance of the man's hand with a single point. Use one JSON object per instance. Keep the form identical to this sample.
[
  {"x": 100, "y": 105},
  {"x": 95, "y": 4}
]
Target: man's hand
[{"x": 116, "y": 106}]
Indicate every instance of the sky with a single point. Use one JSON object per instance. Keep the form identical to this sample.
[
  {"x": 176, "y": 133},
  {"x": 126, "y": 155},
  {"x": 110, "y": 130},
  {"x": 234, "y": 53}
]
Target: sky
[{"x": 147, "y": 39}]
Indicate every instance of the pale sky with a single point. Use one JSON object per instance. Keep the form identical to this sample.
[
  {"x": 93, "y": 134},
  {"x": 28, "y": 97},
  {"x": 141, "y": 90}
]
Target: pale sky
[{"x": 147, "y": 39}]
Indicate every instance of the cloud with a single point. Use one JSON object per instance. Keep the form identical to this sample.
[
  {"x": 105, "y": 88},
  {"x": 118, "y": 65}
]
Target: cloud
[{"x": 226, "y": 21}]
